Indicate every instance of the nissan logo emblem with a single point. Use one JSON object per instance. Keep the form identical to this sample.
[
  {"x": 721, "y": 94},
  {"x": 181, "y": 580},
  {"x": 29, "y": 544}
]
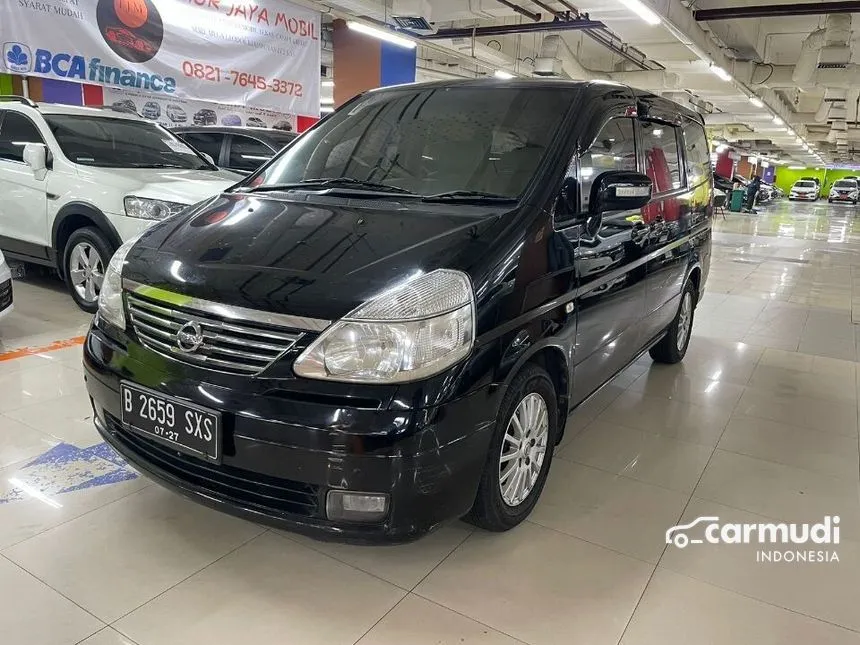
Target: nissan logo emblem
[{"x": 189, "y": 337}]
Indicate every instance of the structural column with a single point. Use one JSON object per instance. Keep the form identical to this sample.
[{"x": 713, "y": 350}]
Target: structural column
[{"x": 363, "y": 62}]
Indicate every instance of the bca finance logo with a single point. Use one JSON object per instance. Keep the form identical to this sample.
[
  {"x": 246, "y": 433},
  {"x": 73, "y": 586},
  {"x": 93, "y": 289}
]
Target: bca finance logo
[
  {"x": 17, "y": 58},
  {"x": 131, "y": 28}
]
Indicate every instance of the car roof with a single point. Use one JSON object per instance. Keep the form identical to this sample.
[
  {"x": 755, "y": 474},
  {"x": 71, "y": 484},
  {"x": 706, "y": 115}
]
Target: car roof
[
  {"x": 60, "y": 108},
  {"x": 595, "y": 88},
  {"x": 235, "y": 129}
]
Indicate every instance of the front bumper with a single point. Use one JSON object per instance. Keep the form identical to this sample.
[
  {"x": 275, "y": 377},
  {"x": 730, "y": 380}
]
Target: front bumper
[
  {"x": 843, "y": 198},
  {"x": 809, "y": 197},
  {"x": 281, "y": 455}
]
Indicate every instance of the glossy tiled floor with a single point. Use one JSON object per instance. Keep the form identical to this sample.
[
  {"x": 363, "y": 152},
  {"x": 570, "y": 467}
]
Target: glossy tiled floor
[{"x": 758, "y": 424}]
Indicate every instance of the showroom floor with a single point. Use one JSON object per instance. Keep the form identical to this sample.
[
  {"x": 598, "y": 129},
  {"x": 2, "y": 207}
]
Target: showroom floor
[{"x": 758, "y": 424}]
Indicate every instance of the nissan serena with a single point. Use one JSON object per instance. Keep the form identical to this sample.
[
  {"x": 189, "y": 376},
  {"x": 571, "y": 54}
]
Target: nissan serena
[{"x": 387, "y": 325}]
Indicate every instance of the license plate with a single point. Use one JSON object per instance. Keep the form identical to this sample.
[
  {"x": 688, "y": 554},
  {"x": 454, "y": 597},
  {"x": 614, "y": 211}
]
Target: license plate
[{"x": 186, "y": 427}]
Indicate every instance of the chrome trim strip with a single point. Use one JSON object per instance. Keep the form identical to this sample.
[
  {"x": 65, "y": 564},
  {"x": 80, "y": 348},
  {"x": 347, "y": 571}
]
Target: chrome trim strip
[{"x": 229, "y": 312}]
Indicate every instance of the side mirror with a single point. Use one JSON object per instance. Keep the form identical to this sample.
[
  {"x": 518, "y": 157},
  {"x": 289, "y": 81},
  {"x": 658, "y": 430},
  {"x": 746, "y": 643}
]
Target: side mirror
[
  {"x": 36, "y": 156},
  {"x": 618, "y": 190}
]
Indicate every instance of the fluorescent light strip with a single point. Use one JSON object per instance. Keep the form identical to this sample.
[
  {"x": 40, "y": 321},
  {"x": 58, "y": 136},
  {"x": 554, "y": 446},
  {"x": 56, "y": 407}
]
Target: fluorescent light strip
[
  {"x": 326, "y": 101},
  {"x": 642, "y": 11},
  {"x": 327, "y": 109},
  {"x": 381, "y": 34},
  {"x": 778, "y": 121},
  {"x": 756, "y": 101},
  {"x": 327, "y": 84},
  {"x": 720, "y": 72},
  {"x": 500, "y": 73}
]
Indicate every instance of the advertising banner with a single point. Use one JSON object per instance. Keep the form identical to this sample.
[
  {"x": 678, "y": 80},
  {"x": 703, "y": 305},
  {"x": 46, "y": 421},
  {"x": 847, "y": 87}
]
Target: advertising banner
[
  {"x": 171, "y": 111},
  {"x": 264, "y": 53}
]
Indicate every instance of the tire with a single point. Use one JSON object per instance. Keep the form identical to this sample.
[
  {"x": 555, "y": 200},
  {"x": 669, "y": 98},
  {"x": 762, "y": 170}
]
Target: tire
[
  {"x": 493, "y": 509},
  {"x": 86, "y": 247},
  {"x": 673, "y": 346}
]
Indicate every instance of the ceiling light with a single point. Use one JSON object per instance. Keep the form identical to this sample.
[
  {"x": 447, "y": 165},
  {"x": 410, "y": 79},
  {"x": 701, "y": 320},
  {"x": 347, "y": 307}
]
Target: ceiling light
[
  {"x": 327, "y": 109},
  {"x": 778, "y": 121},
  {"x": 722, "y": 147},
  {"x": 381, "y": 34},
  {"x": 756, "y": 101},
  {"x": 642, "y": 11},
  {"x": 500, "y": 73},
  {"x": 796, "y": 167},
  {"x": 326, "y": 101},
  {"x": 752, "y": 160},
  {"x": 327, "y": 83},
  {"x": 720, "y": 72}
]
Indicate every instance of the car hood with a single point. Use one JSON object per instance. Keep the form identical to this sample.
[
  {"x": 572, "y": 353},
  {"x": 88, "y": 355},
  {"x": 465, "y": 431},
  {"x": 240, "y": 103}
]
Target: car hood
[
  {"x": 170, "y": 184},
  {"x": 318, "y": 260}
]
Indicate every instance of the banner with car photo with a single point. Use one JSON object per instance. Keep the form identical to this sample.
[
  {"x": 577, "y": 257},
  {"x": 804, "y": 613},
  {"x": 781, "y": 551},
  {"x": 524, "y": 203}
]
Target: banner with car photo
[
  {"x": 265, "y": 53},
  {"x": 172, "y": 112}
]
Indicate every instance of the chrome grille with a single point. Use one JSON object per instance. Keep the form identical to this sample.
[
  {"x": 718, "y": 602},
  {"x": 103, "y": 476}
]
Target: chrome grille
[{"x": 232, "y": 346}]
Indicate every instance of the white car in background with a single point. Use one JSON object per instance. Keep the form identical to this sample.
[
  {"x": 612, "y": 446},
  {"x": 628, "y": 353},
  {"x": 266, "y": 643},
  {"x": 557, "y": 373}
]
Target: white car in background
[
  {"x": 6, "y": 305},
  {"x": 844, "y": 190},
  {"x": 804, "y": 189},
  {"x": 76, "y": 182}
]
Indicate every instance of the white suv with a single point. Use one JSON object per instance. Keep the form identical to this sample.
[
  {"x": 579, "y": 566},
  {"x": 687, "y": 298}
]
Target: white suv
[{"x": 76, "y": 182}]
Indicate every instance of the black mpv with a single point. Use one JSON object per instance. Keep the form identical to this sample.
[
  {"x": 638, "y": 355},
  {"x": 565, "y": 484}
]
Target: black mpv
[{"x": 387, "y": 325}]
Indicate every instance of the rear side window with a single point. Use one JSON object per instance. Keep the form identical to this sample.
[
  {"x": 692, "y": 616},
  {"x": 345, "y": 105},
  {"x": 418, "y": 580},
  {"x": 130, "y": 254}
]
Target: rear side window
[
  {"x": 698, "y": 158},
  {"x": 15, "y": 132},
  {"x": 247, "y": 153},
  {"x": 208, "y": 142},
  {"x": 660, "y": 148},
  {"x": 613, "y": 149}
]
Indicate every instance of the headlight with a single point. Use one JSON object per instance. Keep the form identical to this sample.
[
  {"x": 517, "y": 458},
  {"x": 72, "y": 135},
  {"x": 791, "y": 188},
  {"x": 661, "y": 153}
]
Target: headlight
[
  {"x": 110, "y": 297},
  {"x": 157, "y": 209},
  {"x": 413, "y": 331}
]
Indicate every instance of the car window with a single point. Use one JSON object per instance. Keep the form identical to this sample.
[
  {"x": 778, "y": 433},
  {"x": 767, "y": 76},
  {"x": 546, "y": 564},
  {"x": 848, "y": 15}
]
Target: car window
[
  {"x": 431, "y": 140},
  {"x": 698, "y": 157},
  {"x": 121, "y": 143},
  {"x": 805, "y": 184},
  {"x": 613, "y": 149},
  {"x": 208, "y": 142},
  {"x": 17, "y": 131},
  {"x": 247, "y": 153},
  {"x": 845, "y": 183},
  {"x": 660, "y": 147}
]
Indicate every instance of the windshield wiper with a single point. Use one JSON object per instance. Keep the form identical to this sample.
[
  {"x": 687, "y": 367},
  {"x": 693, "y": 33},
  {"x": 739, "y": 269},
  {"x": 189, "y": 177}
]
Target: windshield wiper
[
  {"x": 330, "y": 182},
  {"x": 469, "y": 196}
]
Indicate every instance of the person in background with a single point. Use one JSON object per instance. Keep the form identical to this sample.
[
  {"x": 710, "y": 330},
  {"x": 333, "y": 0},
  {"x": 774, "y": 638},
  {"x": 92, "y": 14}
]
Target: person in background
[{"x": 752, "y": 192}]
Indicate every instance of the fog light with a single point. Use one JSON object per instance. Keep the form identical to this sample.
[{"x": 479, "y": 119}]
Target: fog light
[{"x": 356, "y": 507}]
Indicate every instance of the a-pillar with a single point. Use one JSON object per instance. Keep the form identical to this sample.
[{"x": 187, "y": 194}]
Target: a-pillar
[{"x": 363, "y": 62}]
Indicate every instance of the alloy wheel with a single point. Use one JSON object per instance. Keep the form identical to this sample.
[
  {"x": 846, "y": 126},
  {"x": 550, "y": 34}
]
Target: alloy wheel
[
  {"x": 86, "y": 269},
  {"x": 685, "y": 320},
  {"x": 523, "y": 449}
]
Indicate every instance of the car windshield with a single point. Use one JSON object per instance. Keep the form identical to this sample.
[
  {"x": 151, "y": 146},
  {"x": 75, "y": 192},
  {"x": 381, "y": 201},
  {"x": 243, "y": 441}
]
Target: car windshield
[
  {"x": 845, "y": 183},
  {"x": 120, "y": 143},
  {"x": 461, "y": 142},
  {"x": 805, "y": 184},
  {"x": 280, "y": 139}
]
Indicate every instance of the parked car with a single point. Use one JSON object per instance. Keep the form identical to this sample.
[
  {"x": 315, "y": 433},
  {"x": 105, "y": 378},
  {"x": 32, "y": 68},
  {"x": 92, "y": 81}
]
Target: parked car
[
  {"x": 231, "y": 119},
  {"x": 375, "y": 334},
  {"x": 125, "y": 105},
  {"x": 766, "y": 193},
  {"x": 844, "y": 190},
  {"x": 151, "y": 110},
  {"x": 804, "y": 189},
  {"x": 254, "y": 122},
  {"x": 284, "y": 125},
  {"x": 205, "y": 117},
  {"x": 175, "y": 113},
  {"x": 98, "y": 177},
  {"x": 238, "y": 149},
  {"x": 6, "y": 305}
]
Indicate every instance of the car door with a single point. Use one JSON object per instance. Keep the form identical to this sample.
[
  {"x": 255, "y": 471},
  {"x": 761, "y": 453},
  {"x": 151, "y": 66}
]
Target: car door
[
  {"x": 666, "y": 220},
  {"x": 23, "y": 205},
  {"x": 609, "y": 268},
  {"x": 210, "y": 143},
  {"x": 246, "y": 154}
]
